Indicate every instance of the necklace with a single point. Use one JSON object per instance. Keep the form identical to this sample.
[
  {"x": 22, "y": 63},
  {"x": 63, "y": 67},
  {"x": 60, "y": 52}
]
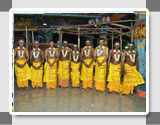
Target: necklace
[
  {"x": 132, "y": 58},
  {"x": 35, "y": 55},
  {"x": 100, "y": 52},
  {"x": 85, "y": 51},
  {"x": 116, "y": 57},
  {"x": 74, "y": 56},
  {"x": 20, "y": 54},
  {"x": 64, "y": 54},
  {"x": 50, "y": 52}
]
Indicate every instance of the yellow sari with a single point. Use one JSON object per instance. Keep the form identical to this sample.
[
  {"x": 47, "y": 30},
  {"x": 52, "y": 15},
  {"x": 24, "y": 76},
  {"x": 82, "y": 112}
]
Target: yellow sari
[
  {"x": 75, "y": 74},
  {"x": 22, "y": 74},
  {"x": 36, "y": 75},
  {"x": 63, "y": 73},
  {"x": 131, "y": 79},
  {"x": 100, "y": 74},
  {"x": 87, "y": 74},
  {"x": 50, "y": 74},
  {"x": 114, "y": 77}
]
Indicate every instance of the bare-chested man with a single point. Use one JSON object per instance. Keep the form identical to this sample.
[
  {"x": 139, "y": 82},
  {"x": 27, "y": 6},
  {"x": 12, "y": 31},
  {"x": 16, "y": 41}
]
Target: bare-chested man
[
  {"x": 36, "y": 60},
  {"x": 115, "y": 65},
  {"x": 101, "y": 56},
  {"x": 132, "y": 77},
  {"x": 64, "y": 64},
  {"x": 50, "y": 67},
  {"x": 22, "y": 70},
  {"x": 75, "y": 66},
  {"x": 87, "y": 56}
]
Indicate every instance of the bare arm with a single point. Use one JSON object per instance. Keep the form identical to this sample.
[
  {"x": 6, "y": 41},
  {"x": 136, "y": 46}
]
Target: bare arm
[
  {"x": 122, "y": 64},
  {"x": 42, "y": 52},
  {"x": 31, "y": 56},
  {"x": 109, "y": 57},
  {"x": 27, "y": 55},
  {"x": 15, "y": 52}
]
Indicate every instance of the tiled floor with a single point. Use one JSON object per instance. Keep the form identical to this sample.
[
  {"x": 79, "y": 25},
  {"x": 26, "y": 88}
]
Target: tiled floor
[{"x": 75, "y": 100}]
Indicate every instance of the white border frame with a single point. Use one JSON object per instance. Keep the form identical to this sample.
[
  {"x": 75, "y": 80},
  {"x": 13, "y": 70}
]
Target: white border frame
[{"x": 76, "y": 10}]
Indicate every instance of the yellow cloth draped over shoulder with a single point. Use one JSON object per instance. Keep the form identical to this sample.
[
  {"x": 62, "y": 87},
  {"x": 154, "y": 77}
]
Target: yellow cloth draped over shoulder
[
  {"x": 22, "y": 74},
  {"x": 114, "y": 77},
  {"x": 75, "y": 74},
  {"x": 100, "y": 74},
  {"x": 63, "y": 73},
  {"x": 131, "y": 79},
  {"x": 87, "y": 74},
  {"x": 37, "y": 75},
  {"x": 50, "y": 74}
]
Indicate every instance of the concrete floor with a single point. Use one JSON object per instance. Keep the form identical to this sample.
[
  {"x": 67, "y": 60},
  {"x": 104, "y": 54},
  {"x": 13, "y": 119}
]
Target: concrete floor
[{"x": 75, "y": 100}]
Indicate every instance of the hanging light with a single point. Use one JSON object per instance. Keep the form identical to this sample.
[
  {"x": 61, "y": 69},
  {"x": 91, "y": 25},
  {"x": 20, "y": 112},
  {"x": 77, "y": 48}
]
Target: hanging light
[{"x": 44, "y": 24}]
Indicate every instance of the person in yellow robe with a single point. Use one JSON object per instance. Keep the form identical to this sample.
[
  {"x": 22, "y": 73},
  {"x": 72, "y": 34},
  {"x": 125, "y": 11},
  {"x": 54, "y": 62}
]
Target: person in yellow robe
[
  {"x": 115, "y": 64},
  {"x": 75, "y": 67},
  {"x": 36, "y": 60},
  {"x": 64, "y": 65},
  {"x": 22, "y": 70},
  {"x": 50, "y": 67},
  {"x": 132, "y": 77},
  {"x": 87, "y": 56},
  {"x": 101, "y": 55}
]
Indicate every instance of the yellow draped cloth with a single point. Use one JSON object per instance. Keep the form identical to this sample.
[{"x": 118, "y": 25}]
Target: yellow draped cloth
[
  {"x": 22, "y": 74},
  {"x": 37, "y": 75},
  {"x": 131, "y": 79},
  {"x": 114, "y": 77},
  {"x": 87, "y": 74},
  {"x": 75, "y": 74},
  {"x": 50, "y": 74},
  {"x": 63, "y": 73},
  {"x": 100, "y": 74}
]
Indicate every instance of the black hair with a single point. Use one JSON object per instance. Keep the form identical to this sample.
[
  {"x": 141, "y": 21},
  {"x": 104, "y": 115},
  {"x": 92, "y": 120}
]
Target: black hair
[
  {"x": 101, "y": 39},
  {"x": 88, "y": 40}
]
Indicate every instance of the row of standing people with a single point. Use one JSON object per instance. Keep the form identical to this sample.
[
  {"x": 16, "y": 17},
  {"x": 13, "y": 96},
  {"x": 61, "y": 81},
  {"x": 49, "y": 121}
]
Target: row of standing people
[{"x": 78, "y": 66}]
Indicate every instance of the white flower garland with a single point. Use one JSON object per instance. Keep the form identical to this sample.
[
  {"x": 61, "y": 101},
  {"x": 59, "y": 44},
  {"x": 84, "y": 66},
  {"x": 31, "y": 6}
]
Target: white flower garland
[
  {"x": 132, "y": 58},
  {"x": 50, "y": 53},
  {"x": 100, "y": 52},
  {"x": 21, "y": 54},
  {"x": 85, "y": 51},
  {"x": 64, "y": 54},
  {"x": 34, "y": 53},
  {"x": 74, "y": 58},
  {"x": 115, "y": 55}
]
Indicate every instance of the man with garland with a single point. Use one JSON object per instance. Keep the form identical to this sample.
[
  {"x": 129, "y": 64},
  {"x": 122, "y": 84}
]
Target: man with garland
[
  {"x": 101, "y": 55},
  {"x": 36, "y": 60},
  {"x": 75, "y": 66},
  {"x": 50, "y": 67},
  {"x": 64, "y": 65},
  {"x": 22, "y": 70},
  {"x": 87, "y": 56},
  {"x": 115, "y": 68},
  {"x": 132, "y": 77}
]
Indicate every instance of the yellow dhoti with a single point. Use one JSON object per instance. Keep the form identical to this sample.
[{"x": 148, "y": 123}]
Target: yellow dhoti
[
  {"x": 36, "y": 75},
  {"x": 22, "y": 74},
  {"x": 75, "y": 74},
  {"x": 131, "y": 79},
  {"x": 63, "y": 73},
  {"x": 114, "y": 77},
  {"x": 50, "y": 74},
  {"x": 100, "y": 74},
  {"x": 87, "y": 74}
]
